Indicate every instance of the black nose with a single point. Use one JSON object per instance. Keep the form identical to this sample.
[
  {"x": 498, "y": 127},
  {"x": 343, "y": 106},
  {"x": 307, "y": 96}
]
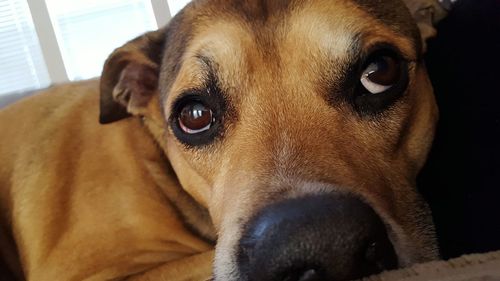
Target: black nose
[{"x": 328, "y": 237}]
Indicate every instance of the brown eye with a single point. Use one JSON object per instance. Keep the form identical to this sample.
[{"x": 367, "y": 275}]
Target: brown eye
[
  {"x": 381, "y": 74},
  {"x": 195, "y": 118}
]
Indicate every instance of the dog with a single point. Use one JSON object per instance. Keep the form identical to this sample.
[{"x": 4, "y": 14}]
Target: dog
[{"x": 246, "y": 140}]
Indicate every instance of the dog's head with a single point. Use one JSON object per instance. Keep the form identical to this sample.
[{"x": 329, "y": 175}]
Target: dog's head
[{"x": 299, "y": 125}]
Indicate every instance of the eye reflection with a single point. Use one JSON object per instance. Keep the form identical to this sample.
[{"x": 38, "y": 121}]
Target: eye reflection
[
  {"x": 381, "y": 74},
  {"x": 195, "y": 118}
]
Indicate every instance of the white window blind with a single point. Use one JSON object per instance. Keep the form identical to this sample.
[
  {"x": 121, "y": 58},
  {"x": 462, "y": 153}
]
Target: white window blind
[
  {"x": 176, "y": 5},
  {"x": 21, "y": 62},
  {"x": 88, "y": 31}
]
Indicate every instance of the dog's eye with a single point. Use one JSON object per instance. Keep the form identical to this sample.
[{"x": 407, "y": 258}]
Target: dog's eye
[
  {"x": 383, "y": 79},
  {"x": 381, "y": 74},
  {"x": 195, "y": 118}
]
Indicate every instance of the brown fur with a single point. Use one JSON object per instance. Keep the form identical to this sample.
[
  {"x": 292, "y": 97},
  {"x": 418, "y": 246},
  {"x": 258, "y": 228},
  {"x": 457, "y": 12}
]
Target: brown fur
[{"x": 81, "y": 200}]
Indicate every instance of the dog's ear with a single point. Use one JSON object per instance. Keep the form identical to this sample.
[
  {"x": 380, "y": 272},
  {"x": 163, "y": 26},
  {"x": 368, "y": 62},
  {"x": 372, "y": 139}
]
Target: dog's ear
[
  {"x": 427, "y": 13},
  {"x": 130, "y": 77}
]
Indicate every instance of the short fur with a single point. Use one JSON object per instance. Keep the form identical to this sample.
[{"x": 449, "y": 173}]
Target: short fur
[{"x": 126, "y": 200}]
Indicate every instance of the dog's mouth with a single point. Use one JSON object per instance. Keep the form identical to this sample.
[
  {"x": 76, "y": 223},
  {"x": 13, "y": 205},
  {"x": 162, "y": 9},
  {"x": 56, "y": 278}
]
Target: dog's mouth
[{"x": 321, "y": 237}]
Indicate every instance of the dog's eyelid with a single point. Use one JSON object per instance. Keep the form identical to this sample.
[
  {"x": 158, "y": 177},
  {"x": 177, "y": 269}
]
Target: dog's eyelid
[
  {"x": 191, "y": 92},
  {"x": 407, "y": 58},
  {"x": 209, "y": 89},
  {"x": 401, "y": 52}
]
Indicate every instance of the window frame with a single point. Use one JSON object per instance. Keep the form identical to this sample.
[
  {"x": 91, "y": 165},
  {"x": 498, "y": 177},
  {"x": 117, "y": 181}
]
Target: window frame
[{"x": 51, "y": 51}]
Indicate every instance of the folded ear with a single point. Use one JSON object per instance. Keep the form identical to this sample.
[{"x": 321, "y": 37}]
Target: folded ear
[
  {"x": 427, "y": 13},
  {"x": 129, "y": 79}
]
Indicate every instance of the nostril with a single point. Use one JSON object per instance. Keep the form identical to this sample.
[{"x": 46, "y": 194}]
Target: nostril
[
  {"x": 381, "y": 255},
  {"x": 308, "y": 274},
  {"x": 311, "y": 275},
  {"x": 371, "y": 253}
]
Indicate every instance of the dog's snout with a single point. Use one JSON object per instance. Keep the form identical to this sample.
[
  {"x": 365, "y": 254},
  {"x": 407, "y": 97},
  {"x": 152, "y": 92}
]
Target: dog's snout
[{"x": 329, "y": 237}]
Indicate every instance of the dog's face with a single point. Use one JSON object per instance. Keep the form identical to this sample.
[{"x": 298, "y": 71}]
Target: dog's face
[{"x": 299, "y": 125}]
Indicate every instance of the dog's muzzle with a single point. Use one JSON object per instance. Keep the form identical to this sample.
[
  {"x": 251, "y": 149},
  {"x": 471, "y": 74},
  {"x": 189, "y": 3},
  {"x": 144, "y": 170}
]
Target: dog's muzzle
[{"x": 324, "y": 237}]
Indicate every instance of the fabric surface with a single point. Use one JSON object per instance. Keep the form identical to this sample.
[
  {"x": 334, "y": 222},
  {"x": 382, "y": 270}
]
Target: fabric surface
[{"x": 477, "y": 267}]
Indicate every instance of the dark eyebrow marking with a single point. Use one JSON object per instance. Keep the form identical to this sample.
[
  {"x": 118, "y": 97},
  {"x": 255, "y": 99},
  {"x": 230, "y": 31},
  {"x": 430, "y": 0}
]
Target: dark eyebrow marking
[
  {"x": 395, "y": 15},
  {"x": 215, "y": 88},
  {"x": 339, "y": 90},
  {"x": 207, "y": 62},
  {"x": 211, "y": 70}
]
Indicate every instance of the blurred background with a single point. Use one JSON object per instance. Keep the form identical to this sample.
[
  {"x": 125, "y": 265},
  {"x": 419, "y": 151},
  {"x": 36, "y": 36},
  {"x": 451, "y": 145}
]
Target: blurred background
[{"x": 53, "y": 41}]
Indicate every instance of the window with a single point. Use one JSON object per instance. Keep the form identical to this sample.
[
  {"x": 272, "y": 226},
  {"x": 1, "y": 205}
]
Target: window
[
  {"x": 53, "y": 41},
  {"x": 89, "y": 30},
  {"x": 22, "y": 66}
]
